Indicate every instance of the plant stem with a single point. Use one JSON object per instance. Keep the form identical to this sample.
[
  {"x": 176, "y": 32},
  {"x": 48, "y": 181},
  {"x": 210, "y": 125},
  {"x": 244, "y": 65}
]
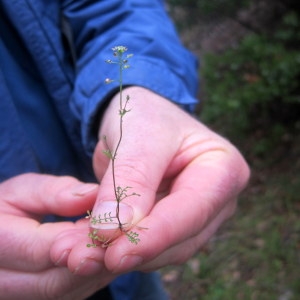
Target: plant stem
[
  {"x": 121, "y": 113},
  {"x": 119, "y": 192}
]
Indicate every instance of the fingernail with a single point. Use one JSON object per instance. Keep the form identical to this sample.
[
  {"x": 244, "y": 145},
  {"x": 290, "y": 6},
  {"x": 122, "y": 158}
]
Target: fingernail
[
  {"x": 62, "y": 261},
  {"x": 88, "y": 266},
  {"x": 128, "y": 263},
  {"x": 83, "y": 189},
  {"x": 106, "y": 211}
]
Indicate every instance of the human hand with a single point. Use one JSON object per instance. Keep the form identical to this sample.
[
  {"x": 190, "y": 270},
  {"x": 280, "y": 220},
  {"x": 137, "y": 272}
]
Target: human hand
[
  {"x": 188, "y": 178},
  {"x": 27, "y": 269}
]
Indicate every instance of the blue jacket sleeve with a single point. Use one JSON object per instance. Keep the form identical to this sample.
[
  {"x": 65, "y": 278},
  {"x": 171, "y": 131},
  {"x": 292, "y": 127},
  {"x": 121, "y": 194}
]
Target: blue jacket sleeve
[{"x": 160, "y": 62}]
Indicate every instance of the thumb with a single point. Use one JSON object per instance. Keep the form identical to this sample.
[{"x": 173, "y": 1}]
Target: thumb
[
  {"x": 137, "y": 168},
  {"x": 126, "y": 194}
]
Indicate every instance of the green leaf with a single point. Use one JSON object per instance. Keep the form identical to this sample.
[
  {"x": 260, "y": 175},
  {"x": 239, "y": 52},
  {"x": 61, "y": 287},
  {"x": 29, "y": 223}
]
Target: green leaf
[
  {"x": 133, "y": 237},
  {"x": 107, "y": 153}
]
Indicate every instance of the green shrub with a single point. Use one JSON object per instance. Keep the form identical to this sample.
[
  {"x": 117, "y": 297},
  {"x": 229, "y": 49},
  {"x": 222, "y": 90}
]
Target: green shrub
[
  {"x": 256, "y": 84},
  {"x": 204, "y": 7}
]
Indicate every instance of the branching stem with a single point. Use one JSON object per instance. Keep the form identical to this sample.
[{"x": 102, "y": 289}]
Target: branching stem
[
  {"x": 122, "y": 111},
  {"x": 119, "y": 192}
]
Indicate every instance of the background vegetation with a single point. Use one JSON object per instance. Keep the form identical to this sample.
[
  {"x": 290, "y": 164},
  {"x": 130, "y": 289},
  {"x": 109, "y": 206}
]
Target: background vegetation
[{"x": 251, "y": 94}]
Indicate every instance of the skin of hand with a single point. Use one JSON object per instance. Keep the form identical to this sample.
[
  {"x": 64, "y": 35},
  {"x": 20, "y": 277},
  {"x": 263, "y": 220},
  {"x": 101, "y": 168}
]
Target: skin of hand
[
  {"x": 27, "y": 270},
  {"x": 188, "y": 178}
]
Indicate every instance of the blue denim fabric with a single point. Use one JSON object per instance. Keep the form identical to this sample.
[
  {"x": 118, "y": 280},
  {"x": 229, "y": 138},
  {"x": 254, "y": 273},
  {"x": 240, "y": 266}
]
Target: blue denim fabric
[{"x": 138, "y": 286}]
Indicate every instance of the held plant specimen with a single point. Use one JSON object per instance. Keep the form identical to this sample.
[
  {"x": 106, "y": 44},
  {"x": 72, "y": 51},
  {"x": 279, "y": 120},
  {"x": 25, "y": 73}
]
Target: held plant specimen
[{"x": 112, "y": 219}]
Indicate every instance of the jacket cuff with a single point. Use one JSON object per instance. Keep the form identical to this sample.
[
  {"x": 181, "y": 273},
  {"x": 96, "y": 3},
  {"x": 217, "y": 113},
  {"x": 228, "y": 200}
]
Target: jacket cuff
[{"x": 93, "y": 93}]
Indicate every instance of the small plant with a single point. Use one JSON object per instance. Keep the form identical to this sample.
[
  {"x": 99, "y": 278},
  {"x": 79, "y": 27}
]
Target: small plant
[{"x": 120, "y": 193}]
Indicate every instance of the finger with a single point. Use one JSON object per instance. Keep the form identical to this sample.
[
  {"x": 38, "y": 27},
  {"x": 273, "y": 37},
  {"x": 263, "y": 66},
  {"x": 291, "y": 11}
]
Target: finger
[
  {"x": 70, "y": 249},
  {"x": 55, "y": 283},
  {"x": 180, "y": 253},
  {"x": 33, "y": 194},
  {"x": 26, "y": 243},
  {"x": 26, "y": 196},
  {"x": 39, "y": 247},
  {"x": 185, "y": 212}
]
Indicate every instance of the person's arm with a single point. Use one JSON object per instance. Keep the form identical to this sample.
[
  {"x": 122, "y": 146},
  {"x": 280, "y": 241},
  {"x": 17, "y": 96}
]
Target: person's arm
[{"x": 160, "y": 63}]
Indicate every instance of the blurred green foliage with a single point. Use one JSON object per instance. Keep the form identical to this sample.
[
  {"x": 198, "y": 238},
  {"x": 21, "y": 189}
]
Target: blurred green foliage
[
  {"x": 205, "y": 7},
  {"x": 256, "y": 85}
]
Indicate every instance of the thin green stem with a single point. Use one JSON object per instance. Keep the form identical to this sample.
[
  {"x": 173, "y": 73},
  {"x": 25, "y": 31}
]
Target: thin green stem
[
  {"x": 120, "y": 138},
  {"x": 119, "y": 192}
]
